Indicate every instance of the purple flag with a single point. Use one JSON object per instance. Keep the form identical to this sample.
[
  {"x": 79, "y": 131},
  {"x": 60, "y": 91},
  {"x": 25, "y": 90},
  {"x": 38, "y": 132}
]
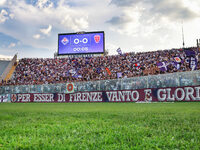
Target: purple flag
[
  {"x": 162, "y": 66},
  {"x": 119, "y": 51},
  {"x": 77, "y": 75},
  {"x": 98, "y": 70},
  {"x": 189, "y": 53},
  {"x": 193, "y": 63},
  {"x": 177, "y": 62},
  {"x": 176, "y": 65},
  {"x": 119, "y": 75}
]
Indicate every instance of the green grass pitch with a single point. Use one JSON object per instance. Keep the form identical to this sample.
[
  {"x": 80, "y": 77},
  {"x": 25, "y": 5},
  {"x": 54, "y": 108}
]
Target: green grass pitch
[{"x": 100, "y": 126}]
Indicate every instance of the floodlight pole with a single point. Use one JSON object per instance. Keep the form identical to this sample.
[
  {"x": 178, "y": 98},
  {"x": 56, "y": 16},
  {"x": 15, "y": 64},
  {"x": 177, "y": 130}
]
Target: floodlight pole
[
  {"x": 198, "y": 43},
  {"x": 183, "y": 36}
]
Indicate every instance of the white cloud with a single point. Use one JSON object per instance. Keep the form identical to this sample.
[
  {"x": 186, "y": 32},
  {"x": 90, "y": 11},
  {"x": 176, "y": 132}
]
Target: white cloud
[
  {"x": 41, "y": 3},
  {"x": 171, "y": 9},
  {"x": 75, "y": 24},
  {"x": 3, "y": 16},
  {"x": 147, "y": 17},
  {"x": 11, "y": 16},
  {"x": 27, "y": 19},
  {"x": 5, "y": 57},
  {"x": 44, "y": 4},
  {"x": 46, "y": 31},
  {"x": 11, "y": 45},
  {"x": 129, "y": 24},
  {"x": 2, "y": 2},
  {"x": 36, "y": 36},
  {"x": 61, "y": 16}
]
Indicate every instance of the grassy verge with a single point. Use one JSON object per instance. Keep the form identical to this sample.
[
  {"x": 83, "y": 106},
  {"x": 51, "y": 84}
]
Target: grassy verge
[{"x": 100, "y": 126}]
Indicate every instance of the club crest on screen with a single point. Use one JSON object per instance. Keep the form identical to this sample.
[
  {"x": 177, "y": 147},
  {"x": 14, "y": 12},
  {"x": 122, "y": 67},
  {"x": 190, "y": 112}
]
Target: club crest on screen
[
  {"x": 65, "y": 41},
  {"x": 97, "y": 38}
]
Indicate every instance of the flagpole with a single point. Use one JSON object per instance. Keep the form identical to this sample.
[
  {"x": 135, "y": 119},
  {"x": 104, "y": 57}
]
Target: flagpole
[{"x": 183, "y": 36}]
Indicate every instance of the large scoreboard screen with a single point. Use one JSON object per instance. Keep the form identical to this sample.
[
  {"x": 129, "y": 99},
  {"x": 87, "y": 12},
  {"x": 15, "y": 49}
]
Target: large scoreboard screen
[{"x": 81, "y": 43}]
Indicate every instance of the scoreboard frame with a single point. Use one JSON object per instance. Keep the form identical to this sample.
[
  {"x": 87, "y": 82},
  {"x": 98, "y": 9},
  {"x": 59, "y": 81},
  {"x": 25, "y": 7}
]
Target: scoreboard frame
[{"x": 82, "y": 32}]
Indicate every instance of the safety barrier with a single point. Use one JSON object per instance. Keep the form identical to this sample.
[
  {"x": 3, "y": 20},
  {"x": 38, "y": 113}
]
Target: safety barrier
[{"x": 171, "y": 80}]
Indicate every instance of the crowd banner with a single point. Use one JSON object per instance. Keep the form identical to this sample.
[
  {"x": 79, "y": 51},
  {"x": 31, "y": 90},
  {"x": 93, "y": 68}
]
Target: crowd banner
[{"x": 173, "y": 94}]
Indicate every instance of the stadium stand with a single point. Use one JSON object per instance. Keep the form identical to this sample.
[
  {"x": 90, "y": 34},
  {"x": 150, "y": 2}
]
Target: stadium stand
[{"x": 61, "y": 70}]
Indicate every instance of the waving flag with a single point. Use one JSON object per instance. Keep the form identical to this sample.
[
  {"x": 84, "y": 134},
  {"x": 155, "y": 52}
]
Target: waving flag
[
  {"x": 193, "y": 63},
  {"x": 72, "y": 71},
  {"x": 75, "y": 73},
  {"x": 108, "y": 71},
  {"x": 176, "y": 65},
  {"x": 177, "y": 59},
  {"x": 177, "y": 62},
  {"x": 137, "y": 65},
  {"x": 191, "y": 58},
  {"x": 98, "y": 70},
  {"x": 119, "y": 75},
  {"x": 162, "y": 66},
  {"x": 189, "y": 53},
  {"x": 119, "y": 51}
]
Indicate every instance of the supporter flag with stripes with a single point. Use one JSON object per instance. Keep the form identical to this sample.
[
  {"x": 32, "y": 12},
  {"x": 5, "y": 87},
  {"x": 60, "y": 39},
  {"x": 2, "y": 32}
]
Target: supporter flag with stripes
[
  {"x": 119, "y": 51},
  {"x": 193, "y": 63},
  {"x": 191, "y": 58},
  {"x": 108, "y": 71}
]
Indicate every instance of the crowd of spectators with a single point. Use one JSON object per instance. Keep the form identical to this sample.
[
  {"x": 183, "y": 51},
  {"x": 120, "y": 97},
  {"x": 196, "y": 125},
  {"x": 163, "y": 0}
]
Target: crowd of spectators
[{"x": 62, "y": 70}]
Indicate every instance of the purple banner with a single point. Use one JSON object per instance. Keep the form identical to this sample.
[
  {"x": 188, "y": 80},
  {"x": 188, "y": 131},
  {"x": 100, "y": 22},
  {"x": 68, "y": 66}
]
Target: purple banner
[{"x": 187, "y": 94}]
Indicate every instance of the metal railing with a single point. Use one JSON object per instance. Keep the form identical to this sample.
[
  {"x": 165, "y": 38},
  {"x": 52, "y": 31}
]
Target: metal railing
[{"x": 191, "y": 78}]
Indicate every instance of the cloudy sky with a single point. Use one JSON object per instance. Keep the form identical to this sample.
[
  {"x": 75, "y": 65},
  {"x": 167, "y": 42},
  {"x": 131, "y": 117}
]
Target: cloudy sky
[{"x": 30, "y": 27}]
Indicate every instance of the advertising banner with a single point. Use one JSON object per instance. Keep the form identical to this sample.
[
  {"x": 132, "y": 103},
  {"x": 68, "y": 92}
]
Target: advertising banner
[{"x": 186, "y": 94}]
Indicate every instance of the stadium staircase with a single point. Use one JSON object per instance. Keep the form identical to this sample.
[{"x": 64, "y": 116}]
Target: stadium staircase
[
  {"x": 7, "y": 68},
  {"x": 10, "y": 73}
]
